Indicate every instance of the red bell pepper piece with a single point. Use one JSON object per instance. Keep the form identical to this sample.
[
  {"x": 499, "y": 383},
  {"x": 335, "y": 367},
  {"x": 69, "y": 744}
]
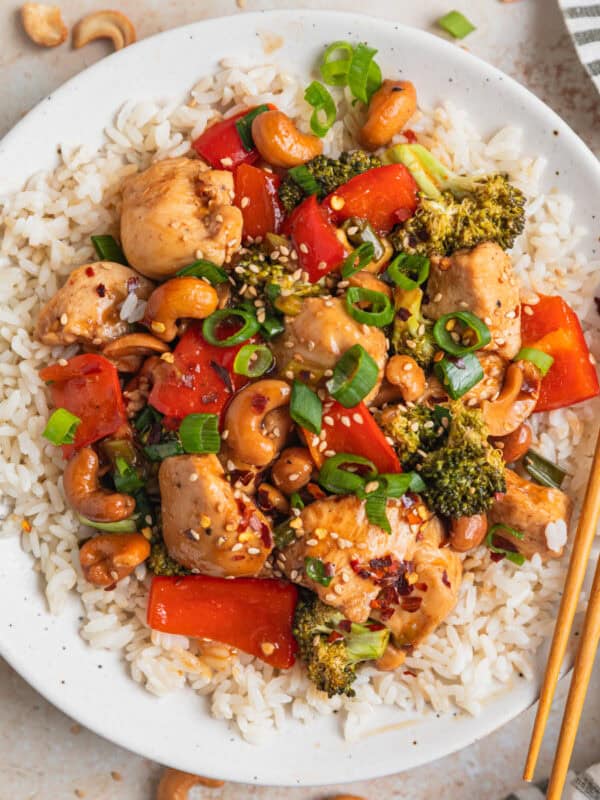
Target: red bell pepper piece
[
  {"x": 221, "y": 145},
  {"x": 257, "y": 197},
  {"x": 555, "y": 328},
  {"x": 87, "y": 386},
  {"x": 253, "y": 614},
  {"x": 383, "y": 195},
  {"x": 315, "y": 239},
  {"x": 200, "y": 379},
  {"x": 353, "y": 431}
]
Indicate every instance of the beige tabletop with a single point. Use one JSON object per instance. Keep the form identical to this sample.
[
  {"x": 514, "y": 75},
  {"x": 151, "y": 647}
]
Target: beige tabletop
[{"x": 43, "y": 754}]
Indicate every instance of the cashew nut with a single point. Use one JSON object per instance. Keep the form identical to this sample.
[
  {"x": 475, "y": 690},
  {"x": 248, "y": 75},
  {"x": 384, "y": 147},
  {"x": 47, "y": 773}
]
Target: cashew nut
[
  {"x": 110, "y": 557},
  {"x": 468, "y": 532},
  {"x": 247, "y": 420},
  {"x": 127, "y": 352},
  {"x": 517, "y": 400},
  {"x": 279, "y": 141},
  {"x": 175, "y": 785},
  {"x": 404, "y": 372},
  {"x": 104, "y": 25},
  {"x": 293, "y": 469},
  {"x": 87, "y": 497},
  {"x": 389, "y": 110},
  {"x": 393, "y": 658},
  {"x": 178, "y": 298},
  {"x": 514, "y": 446},
  {"x": 44, "y": 24}
]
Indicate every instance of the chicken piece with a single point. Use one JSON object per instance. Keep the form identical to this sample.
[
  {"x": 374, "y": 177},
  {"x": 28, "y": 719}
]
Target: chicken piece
[
  {"x": 207, "y": 526},
  {"x": 482, "y": 281},
  {"x": 176, "y": 212},
  {"x": 320, "y": 334},
  {"x": 369, "y": 568},
  {"x": 87, "y": 308},
  {"x": 541, "y": 514}
]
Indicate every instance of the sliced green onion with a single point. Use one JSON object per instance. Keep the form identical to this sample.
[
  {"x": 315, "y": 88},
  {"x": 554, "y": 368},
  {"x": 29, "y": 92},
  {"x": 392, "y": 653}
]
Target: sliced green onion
[
  {"x": 315, "y": 570},
  {"x": 334, "y": 71},
  {"x": 354, "y": 375},
  {"x": 319, "y": 98},
  {"x": 358, "y": 259},
  {"x": 304, "y": 178},
  {"x": 107, "y": 249},
  {"x": 253, "y": 360},
  {"x": 148, "y": 416},
  {"x": 375, "y": 509},
  {"x": 358, "y": 73},
  {"x": 211, "y": 324},
  {"x": 123, "y": 526},
  {"x": 360, "y": 231},
  {"x": 397, "y": 485},
  {"x": 458, "y": 375},
  {"x": 516, "y": 558},
  {"x": 442, "y": 416},
  {"x": 126, "y": 478},
  {"x": 61, "y": 427},
  {"x": 335, "y": 479},
  {"x": 162, "y": 450},
  {"x": 543, "y": 471},
  {"x": 306, "y": 408},
  {"x": 296, "y": 501},
  {"x": 204, "y": 269},
  {"x": 244, "y": 126},
  {"x": 542, "y": 360},
  {"x": 272, "y": 327},
  {"x": 443, "y": 334},
  {"x": 284, "y": 534},
  {"x": 409, "y": 271},
  {"x": 199, "y": 433},
  {"x": 381, "y": 312},
  {"x": 456, "y": 24}
]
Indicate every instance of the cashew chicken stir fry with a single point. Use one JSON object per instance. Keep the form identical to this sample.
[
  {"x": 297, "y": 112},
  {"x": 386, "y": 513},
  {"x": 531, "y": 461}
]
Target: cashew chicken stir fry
[{"x": 305, "y": 387}]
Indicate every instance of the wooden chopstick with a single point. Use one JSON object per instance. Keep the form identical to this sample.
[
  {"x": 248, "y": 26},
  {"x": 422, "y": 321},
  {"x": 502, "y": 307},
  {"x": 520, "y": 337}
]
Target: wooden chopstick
[
  {"x": 584, "y": 663},
  {"x": 568, "y": 605}
]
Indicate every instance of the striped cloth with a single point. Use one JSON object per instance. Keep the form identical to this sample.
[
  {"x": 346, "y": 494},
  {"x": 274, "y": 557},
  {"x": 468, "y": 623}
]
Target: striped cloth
[
  {"x": 583, "y": 21},
  {"x": 585, "y": 786}
]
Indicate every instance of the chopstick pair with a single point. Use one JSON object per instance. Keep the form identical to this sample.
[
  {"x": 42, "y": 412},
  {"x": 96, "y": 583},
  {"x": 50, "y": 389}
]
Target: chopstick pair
[{"x": 588, "y": 643}]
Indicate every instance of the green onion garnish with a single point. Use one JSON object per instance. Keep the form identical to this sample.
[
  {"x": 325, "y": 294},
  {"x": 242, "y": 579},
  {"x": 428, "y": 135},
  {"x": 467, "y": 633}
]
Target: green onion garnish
[
  {"x": 541, "y": 360},
  {"x": 315, "y": 570},
  {"x": 253, "y": 360},
  {"x": 283, "y": 534},
  {"x": 304, "y": 178},
  {"x": 476, "y": 335},
  {"x": 398, "y": 485},
  {"x": 338, "y": 480},
  {"x": 359, "y": 231},
  {"x": 516, "y": 558},
  {"x": 375, "y": 509},
  {"x": 334, "y": 70},
  {"x": 107, "y": 249},
  {"x": 204, "y": 269},
  {"x": 358, "y": 259},
  {"x": 244, "y": 126},
  {"x": 306, "y": 408},
  {"x": 211, "y": 324},
  {"x": 61, "y": 427},
  {"x": 162, "y": 450},
  {"x": 364, "y": 76},
  {"x": 409, "y": 271},
  {"x": 272, "y": 327},
  {"x": 320, "y": 99},
  {"x": 381, "y": 312},
  {"x": 296, "y": 501},
  {"x": 123, "y": 526},
  {"x": 456, "y": 24},
  {"x": 148, "y": 416},
  {"x": 199, "y": 433},
  {"x": 543, "y": 471},
  {"x": 126, "y": 478},
  {"x": 458, "y": 375},
  {"x": 354, "y": 375}
]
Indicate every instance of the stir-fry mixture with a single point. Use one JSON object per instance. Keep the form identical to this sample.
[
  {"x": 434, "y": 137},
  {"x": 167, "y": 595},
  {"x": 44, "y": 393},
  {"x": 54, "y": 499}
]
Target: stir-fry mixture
[{"x": 304, "y": 385}]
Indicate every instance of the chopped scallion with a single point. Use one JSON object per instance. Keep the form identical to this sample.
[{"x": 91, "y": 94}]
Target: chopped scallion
[
  {"x": 458, "y": 375},
  {"x": 375, "y": 509},
  {"x": 543, "y": 471},
  {"x": 253, "y": 360},
  {"x": 541, "y": 360},
  {"x": 354, "y": 375},
  {"x": 244, "y": 126},
  {"x": 362, "y": 80},
  {"x": 306, "y": 408},
  {"x": 323, "y": 104},
  {"x": 336, "y": 63},
  {"x": 409, "y": 271},
  {"x": 380, "y": 313},
  {"x": 336, "y": 477},
  {"x": 317, "y": 571},
  {"x": 212, "y": 324},
  {"x": 456, "y": 24},
  {"x": 107, "y": 249},
  {"x": 61, "y": 427},
  {"x": 199, "y": 433},
  {"x": 122, "y": 526},
  {"x": 511, "y": 555},
  {"x": 470, "y": 334},
  {"x": 204, "y": 269},
  {"x": 358, "y": 259},
  {"x": 304, "y": 178}
]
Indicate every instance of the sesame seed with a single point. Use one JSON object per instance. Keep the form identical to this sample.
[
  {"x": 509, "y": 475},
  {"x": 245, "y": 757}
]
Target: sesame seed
[
  {"x": 230, "y": 465},
  {"x": 322, "y": 265},
  {"x": 338, "y": 589},
  {"x": 345, "y": 420},
  {"x": 63, "y": 362},
  {"x": 407, "y": 367},
  {"x": 510, "y": 314},
  {"x": 158, "y": 327},
  {"x": 294, "y": 574},
  {"x": 437, "y": 297},
  {"x": 267, "y": 647},
  {"x": 337, "y": 202},
  {"x": 312, "y": 542},
  {"x": 303, "y": 248},
  {"x": 322, "y": 447},
  {"x": 331, "y": 453},
  {"x": 168, "y": 357},
  {"x": 330, "y": 597},
  {"x": 358, "y": 419},
  {"x": 328, "y": 420},
  {"x": 253, "y": 551},
  {"x": 63, "y": 319},
  {"x": 245, "y": 202},
  {"x": 236, "y": 547},
  {"x": 226, "y": 162},
  {"x": 296, "y": 523},
  {"x": 372, "y": 486},
  {"x": 528, "y": 310},
  {"x": 193, "y": 477},
  {"x": 205, "y": 521}
]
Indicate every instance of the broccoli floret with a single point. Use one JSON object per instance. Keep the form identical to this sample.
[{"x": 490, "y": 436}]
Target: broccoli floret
[
  {"x": 329, "y": 173},
  {"x": 331, "y": 646},
  {"x": 161, "y": 563},
  {"x": 456, "y": 211},
  {"x": 412, "y": 334},
  {"x": 415, "y": 431}
]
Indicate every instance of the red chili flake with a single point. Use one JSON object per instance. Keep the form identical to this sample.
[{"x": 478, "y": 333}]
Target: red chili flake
[
  {"x": 386, "y": 613},
  {"x": 329, "y": 569},
  {"x": 209, "y": 398},
  {"x": 101, "y": 290},
  {"x": 237, "y": 558},
  {"x": 498, "y": 495},
  {"x": 241, "y": 476},
  {"x": 422, "y": 587},
  {"x": 259, "y": 403},
  {"x": 334, "y": 636},
  {"x": 223, "y": 374},
  {"x": 411, "y": 604},
  {"x": 410, "y": 672},
  {"x": 496, "y": 556},
  {"x": 446, "y": 580},
  {"x": 411, "y": 136},
  {"x": 263, "y": 500},
  {"x": 345, "y": 625},
  {"x": 404, "y": 314},
  {"x": 255, "y": 523},
  {"x": 89, "y": 271},
  {"x": 375, "y": 626},
  {"x": 377, "y": 564},
  {"x": 132, "y": 284}
]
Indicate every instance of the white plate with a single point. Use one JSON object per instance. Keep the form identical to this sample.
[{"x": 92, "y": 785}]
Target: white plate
[{"x": 92, "y": 686}]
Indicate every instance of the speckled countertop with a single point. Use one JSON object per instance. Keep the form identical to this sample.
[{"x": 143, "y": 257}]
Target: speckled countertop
[{"x": 43, "y": 754}]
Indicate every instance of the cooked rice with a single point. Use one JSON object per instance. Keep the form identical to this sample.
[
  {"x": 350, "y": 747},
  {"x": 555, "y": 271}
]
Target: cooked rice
[{"x": 503, "y": 612}]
